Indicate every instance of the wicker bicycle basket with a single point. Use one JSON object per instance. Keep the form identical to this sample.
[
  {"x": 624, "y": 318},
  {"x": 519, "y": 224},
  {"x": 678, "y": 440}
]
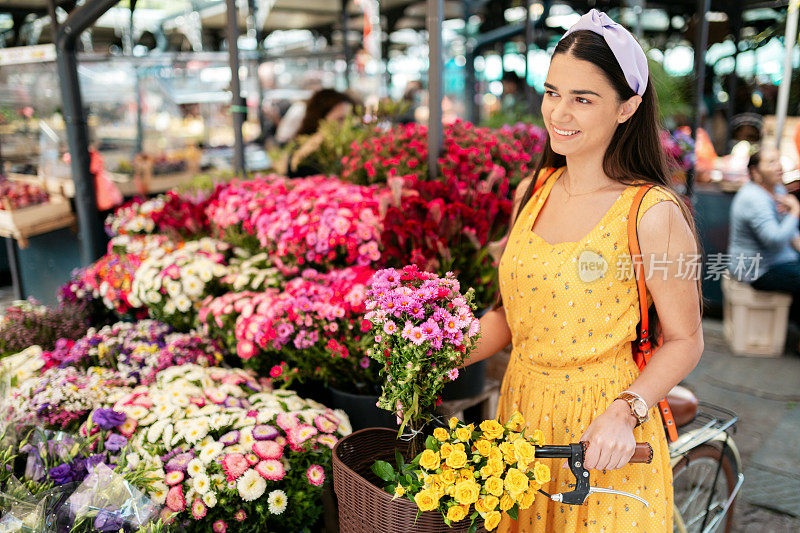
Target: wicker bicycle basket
[{"x": 364, "y": 507}]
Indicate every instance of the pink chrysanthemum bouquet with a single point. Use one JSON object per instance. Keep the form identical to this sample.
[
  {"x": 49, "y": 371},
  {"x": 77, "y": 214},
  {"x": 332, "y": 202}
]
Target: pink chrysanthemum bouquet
[{"x": 424, "y": 328}]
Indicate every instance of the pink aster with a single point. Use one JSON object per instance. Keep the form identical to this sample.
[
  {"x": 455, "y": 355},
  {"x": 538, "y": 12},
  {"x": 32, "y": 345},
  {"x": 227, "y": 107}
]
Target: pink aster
[
  {"x": 198, "y": 509},
  {"x": 175, "y": 500},
  {"x": 220, "y": 526},
  {"x": 268, "y": 449},
  {"x": 240, "y": 515},
  {"x": 271, "y": 469},
  {"x": 315, "y": 475},
  {"x": 234, "y": 465},
  {"x": 417, "y": 336},
  {"x": 174, "y": 477},
  {"x": 389, "y": 327}
]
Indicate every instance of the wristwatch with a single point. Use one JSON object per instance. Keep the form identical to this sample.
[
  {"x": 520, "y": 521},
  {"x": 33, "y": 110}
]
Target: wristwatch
[{"x": 637, "y": 404}]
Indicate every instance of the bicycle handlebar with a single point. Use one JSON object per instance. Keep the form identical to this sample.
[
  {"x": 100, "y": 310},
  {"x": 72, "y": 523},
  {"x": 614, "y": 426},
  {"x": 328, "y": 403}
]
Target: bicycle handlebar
[{"x": 642, "y": 454}]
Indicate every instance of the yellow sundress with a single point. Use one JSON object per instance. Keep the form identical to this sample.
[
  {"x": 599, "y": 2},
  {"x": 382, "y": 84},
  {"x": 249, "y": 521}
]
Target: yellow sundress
[{"x": 572, "y": 323}]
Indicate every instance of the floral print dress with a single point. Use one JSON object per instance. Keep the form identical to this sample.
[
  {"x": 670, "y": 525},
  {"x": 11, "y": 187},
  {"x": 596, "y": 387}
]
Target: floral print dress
[{"x": 573, "y": 310}]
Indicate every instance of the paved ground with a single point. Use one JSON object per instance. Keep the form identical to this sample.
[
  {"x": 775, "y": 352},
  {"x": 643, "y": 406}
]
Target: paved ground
[{"x": 765, "y": 392}]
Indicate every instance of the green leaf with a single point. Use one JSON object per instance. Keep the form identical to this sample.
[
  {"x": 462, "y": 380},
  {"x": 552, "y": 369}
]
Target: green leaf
[
  {"x": 399, "y": 458},
  {"x": 431, "y": 442},
  {"x": 514, "y": 512},
  {"x": 473, "y": 527},
  {"x": 383, "y": 470}
]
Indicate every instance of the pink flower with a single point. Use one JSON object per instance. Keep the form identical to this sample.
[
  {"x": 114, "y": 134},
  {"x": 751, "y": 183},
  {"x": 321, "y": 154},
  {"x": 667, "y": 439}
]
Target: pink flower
[
  {"x": 417, "y": 336},
  {"x": 325, "y": 424},
  {"x": 234, "y": 465},
  {"x": 175, "y": 500},
  {"x": 299, "y": 434},
  {"x": 271, "y": 469},
  {"x": 240, "y": 515},
  {"x": 174, "y": 477},
  {"x": 452, "y": 375},
  {"x": 198, "y": 509},
  {"x": 245, "y": 349},
  {"x": 389, "y": 328},
  {"x": 315, "y": 475},
  {"x": 286, "y": 421},
  {"x": 252, "y": 459},
  {"x": 268, "y": 449},
  {"x": 219, "y": 527}
]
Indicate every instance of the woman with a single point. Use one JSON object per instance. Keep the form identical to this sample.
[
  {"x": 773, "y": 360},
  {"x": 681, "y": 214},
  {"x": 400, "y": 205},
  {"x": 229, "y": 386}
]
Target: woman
[
  {"x": 325, "y": 104},
  {"x": 765, "y": 238},
  {"x": 572, "y": 333}
]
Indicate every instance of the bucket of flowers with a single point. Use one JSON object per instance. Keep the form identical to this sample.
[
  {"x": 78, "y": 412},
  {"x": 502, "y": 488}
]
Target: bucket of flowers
[{"x": 423, "y": 329}]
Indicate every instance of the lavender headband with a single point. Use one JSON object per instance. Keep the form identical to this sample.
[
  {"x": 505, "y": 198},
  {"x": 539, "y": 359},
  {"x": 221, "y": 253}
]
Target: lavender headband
[{"x": 625, "y": 47}]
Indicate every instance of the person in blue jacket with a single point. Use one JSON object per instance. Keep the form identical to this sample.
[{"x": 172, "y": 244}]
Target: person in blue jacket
[{"x": 765, "y": 238}]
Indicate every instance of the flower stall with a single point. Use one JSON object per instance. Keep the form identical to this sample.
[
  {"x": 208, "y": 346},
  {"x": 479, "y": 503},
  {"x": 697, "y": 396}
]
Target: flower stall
[{"x": 196, "y": 371}]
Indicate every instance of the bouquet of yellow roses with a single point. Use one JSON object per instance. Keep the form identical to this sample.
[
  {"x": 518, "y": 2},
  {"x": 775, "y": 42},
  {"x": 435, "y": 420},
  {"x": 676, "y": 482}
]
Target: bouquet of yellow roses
[{"x": 469, "y": 471}]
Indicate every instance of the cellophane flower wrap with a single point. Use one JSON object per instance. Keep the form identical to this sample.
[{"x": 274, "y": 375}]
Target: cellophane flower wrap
[
  {"x": 472, "y": 472},
  {"x": 423, "y": 330},
  {"x": 172, "y": 284}
]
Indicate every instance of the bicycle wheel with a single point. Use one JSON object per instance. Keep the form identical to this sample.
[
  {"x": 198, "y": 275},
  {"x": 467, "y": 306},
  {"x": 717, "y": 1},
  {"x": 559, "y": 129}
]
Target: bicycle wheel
[{"x": 693, "y": 477}]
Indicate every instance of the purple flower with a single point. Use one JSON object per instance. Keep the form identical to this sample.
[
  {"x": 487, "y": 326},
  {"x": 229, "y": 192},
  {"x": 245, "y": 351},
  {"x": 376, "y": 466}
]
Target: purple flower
[
  {"x": 115, "y": 442},
  {"x": 179, "y": 462},
  {"x": 364, "y": 362},
  {"x": 230, "y": 438},
  {"x": 108, "y": 418},
  {"x": 265, "y": 432},
  {"x": 94, "y": 460},
  {"x": 107, "y": 521},
  {"x": 61, "y": 474}
]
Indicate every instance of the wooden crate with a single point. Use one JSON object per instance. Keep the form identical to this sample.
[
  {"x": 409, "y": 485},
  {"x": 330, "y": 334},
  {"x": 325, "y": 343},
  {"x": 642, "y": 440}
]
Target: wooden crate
[{"x": 27, "y": 222}]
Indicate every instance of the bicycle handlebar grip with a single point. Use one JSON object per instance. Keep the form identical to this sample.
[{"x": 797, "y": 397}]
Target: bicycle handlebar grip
[{"x": 643, "y": 453}]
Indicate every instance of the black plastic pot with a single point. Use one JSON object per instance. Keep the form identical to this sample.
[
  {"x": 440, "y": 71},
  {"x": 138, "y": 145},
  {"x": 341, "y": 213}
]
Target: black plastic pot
[
  {"x": 361, "y": 410},
  {"x": 313, "y": 390},
  {"x": 470, "y": 382}
]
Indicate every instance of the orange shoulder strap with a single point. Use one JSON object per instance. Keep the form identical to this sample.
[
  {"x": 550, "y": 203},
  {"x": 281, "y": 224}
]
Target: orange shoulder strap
[{"x": 642, "y": 350}]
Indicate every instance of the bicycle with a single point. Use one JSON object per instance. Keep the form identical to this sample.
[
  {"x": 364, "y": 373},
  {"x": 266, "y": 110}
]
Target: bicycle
[{"x": 706, "y": 465}]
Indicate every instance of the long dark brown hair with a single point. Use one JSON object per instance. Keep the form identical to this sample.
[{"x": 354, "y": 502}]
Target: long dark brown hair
[
  {"x": 318, "y": 106},
  {"x": 635, "y": 155}
]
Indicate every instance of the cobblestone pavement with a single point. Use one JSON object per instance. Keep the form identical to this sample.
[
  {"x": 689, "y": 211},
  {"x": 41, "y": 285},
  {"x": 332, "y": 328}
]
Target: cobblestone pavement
[{"x": 765, "y": 392}]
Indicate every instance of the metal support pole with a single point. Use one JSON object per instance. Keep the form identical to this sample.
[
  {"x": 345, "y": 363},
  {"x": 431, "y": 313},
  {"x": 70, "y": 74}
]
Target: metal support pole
[
  {"x": 238, "y": 107},
  {"x": 435, "y": 130},
  {"x": 735, "y": 17},
  {"x": 346, "y": 45},
  {"x": 786, "y": 80},
  {"x": 91, "y": 234},
  {"x": 700, "y": 71},
  {"x": 13, "y": 265}
]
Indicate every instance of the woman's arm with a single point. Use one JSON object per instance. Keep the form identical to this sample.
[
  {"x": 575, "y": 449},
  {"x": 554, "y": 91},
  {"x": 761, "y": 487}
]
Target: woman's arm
[{"x": 677, "y": 301}]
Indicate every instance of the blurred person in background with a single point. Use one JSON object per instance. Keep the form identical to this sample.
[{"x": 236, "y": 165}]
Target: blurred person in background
[
  {"x": 325, "y": 104},
  {"x": 765, "y": 239}
]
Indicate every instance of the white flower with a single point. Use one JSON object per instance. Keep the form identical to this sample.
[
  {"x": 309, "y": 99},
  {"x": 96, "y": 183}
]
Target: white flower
[
  {"x": 201, "y": 483},
  {"x": 153, "y": 297},
  {"x": 251, "y": 485},
  {"x": 193, "y": 286},
  {"x": 210, "y": 499},
  {"x": 169, "y": 308},
  {"x": 159, "y": 492},
  {"x": 195, "y": 468},
  {"x": 205, "y": 274},
  {"x": 210, "y": 452},
  {"x": 183, "y": 303},
  {"x": 169, "y": 432},
  {"x": 133, "y": 460},
  {"x": 154, "y": 431},
  {"x": 277, "y": 501},
  {"x": 164, "y": 410},
  {"x": 137, "y": 412},
  {"x": 173, "y": 287}
]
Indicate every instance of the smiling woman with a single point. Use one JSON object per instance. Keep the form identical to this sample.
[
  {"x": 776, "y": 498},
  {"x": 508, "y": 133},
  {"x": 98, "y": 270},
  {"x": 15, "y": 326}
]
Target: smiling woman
[{"x": 569, "y": 308}]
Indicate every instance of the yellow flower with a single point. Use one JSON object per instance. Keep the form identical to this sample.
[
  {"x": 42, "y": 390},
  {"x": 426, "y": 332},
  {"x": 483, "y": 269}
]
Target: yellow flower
[
  {"x": 541, "y": 472},
  {"x": 524, "y": 451},
  {"x": 497, "y": 466},
  {"x": 445, "y": 450},
  {"x": 513, "y": 436},
  {"x": 494, "y": 486},
  {"x": 467, "y": 492},
  {"x": 492, "y": 429},
  {"x": 480, "y": 506},
  {"x": 466, "y": 473},
  {"x": 399, "y": 491},
  {"x": 483, "y": 447},
  {"x": 492, "y": 520},
  {"x": 491, "y": 502},
  {"x": 538, "y": 437},
  {"x": 464, "y": 433},
  {"x": 456, "y": 459},
  {"x": 457, "y": 512},
  {"x": 516, "y": 482},
  {"x": 441, "y": 434},
  {"x": 429, "y": 460},
  {"x": 495, "y": 454},
  {"x": 506, "y": 502},
  {"x": 527, "y": 499},
  {"x": 449, "y": 476},
  {"x": 426, "y": 500},
  {"x": 516, "y": 423},
  {"x": 459, "y": 446},
  {"x": 438, "y": 486},
  {"x": 507, "y": 448},
  {"x": 453, "y": 422},
  {"x": 486, "y": 471}
]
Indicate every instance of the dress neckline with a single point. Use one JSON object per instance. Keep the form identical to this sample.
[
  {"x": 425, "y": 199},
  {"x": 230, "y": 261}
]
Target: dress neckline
[{"x": 544, "y": 194}]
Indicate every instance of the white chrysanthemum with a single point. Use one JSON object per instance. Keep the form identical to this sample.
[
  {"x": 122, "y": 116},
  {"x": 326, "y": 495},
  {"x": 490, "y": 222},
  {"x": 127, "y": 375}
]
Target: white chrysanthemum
[
  {"x": 183, "y": 303},
  {"x": 219, "y": 421},
  {"x": 210, "y": 499},
  {"x": 159, "y": 492},
  {"x": 277, "y": 501},
  {"x": 170, "y": 307},
  {"x": 169, "y": 432},
  {"x": 154, "y": 431},
  {"x": 251, "y": 485},
  {"x": 149, "y": 419},
  {"x": 154, "y": 297},
  {"x": 201, "y": 483},
  {"x": 210, "y": 452},
  {"x": 164, "y": 410},
  {"x": 195, "y": 468},
  {"x": 133, "y": 460},
  {"x": 174, "y": 289},
  {"x": 193, "y": 286},
  {"x": 137, "y": 412},
  {"x": 205, "y": 274}
]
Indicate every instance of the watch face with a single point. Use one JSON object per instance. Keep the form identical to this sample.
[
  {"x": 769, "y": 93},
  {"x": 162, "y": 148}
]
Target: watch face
[{"x": 639, "y": 409}]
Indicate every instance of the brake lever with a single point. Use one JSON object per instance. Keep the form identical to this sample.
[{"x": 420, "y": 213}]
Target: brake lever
[{"x": 582, "y": 487}]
